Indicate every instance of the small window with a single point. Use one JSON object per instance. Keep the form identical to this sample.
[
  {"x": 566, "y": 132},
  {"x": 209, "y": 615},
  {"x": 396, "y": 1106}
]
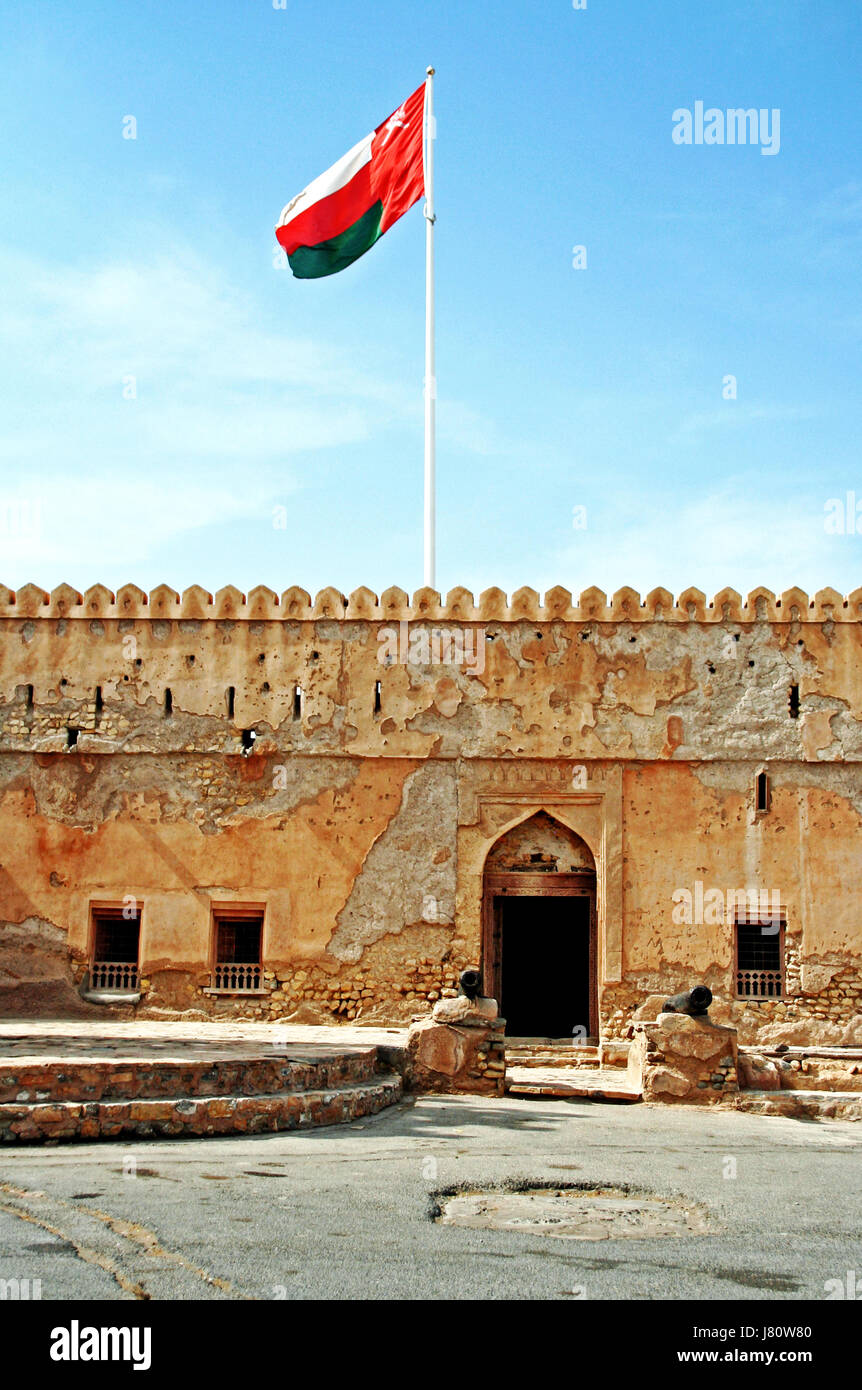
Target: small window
[
  {"x": 378, "y": 692},
  {"x": 116, "y": 943},
  {"x": 237, "y": 966},
  {"x": 759, "y": 951},
  {"x": 297, "y": 702},
  {"x": 794, "y": 702},
  {"x": 762, "y": 792},
  {"x": 231, "y": 701}
]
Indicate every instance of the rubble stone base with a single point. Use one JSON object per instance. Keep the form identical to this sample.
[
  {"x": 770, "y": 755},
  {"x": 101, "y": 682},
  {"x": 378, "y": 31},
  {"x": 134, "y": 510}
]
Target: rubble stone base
[{"x": 679, "y": 1058}]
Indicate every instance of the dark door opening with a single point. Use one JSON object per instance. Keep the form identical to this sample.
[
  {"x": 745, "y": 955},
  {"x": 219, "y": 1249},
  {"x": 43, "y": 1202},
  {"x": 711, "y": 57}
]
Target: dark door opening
[{"x": 545, "y": 966}]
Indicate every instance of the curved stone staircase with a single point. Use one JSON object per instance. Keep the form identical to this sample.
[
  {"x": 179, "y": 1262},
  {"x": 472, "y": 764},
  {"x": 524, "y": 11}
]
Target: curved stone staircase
[{"x": 141, "y": 1092}]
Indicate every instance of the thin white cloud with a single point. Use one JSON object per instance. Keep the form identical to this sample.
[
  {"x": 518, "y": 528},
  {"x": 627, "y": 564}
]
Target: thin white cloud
[
  {"x": 711, "y": 541},
  {"x": 49, "y": 522},
  {"x": 734, "y": 416},
  {"x": 146, "y": 400}
]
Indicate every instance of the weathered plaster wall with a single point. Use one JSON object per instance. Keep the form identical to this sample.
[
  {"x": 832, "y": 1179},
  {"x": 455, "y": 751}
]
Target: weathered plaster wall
[{"x": 363, "y": 815}]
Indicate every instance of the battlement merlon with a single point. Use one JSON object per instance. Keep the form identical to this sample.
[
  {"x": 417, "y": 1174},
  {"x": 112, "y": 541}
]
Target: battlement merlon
[{"x": 395, "y": 605}]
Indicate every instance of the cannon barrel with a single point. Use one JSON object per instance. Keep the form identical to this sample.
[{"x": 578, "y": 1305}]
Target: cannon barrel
[
  {"x": 695, "y": 1002},
  {"x": 471, "y": 983}
]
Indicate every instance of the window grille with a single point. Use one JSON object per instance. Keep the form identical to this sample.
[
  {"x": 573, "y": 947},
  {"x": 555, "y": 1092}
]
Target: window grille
[
  {"x": 116, "y": 943},
  {"x": 238, "y": 968},
  {"x": 759, "y": 958}
]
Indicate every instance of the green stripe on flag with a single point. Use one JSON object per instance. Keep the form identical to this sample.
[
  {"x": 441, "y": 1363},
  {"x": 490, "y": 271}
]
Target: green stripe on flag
[{"x": 313, "y": 262}]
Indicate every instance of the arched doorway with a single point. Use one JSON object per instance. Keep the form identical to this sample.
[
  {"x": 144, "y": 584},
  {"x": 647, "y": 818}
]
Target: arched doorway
[{"x": 539, "y": 930}]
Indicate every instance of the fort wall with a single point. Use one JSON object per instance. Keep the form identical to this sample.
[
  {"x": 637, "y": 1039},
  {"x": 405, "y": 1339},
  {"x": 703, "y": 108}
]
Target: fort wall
[{"x": 347, "y": 765}]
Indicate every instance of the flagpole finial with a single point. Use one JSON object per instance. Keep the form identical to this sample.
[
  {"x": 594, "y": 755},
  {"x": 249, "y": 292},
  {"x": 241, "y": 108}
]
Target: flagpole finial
[{"x": 429, "y": 72}]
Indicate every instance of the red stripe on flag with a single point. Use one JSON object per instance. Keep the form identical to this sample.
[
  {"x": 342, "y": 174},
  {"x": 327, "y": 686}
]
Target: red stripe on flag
[
  {"x": 330, "y": 216},
  {"x": 397, "y": 174}
]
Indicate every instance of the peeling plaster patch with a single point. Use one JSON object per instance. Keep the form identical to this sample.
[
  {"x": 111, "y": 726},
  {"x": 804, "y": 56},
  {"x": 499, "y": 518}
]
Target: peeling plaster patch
[
  {"x": 845, "y": 780},
  {"x": 32, "y": 950},
  {"x": 468, "y": 729},
  {"x": 338, "y": 630},
  {"x": 164, "y": 790},
  {"x": 817, "y": 736},
  {"x": 816, "y": 977},
  {"x": 402, "y": 858},
  {"x": 299, "y": 782},
  {"x": 558, "y": 645}
]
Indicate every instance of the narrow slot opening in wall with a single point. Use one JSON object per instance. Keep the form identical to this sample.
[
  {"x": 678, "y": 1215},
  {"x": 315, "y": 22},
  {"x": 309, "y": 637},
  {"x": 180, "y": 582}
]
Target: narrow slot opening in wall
[
  {"x": 248, "y": 738},
  {"x": 297, "y": 702},
  {"x": 169, "y": 704},
  {"x": 29, "y": 697},
  {"x": 762, "y": 792},
  {"x": 231, "y": 701},
  {"x": 72, "y": 738},
  {"x": 99, "y": 703},
  {"x": 377, "y": 696},
  {"x": 794, "y": 702}
]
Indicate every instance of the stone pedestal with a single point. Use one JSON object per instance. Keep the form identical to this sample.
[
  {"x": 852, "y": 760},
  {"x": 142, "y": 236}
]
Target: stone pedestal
[
  {"x": 679, "y": 1058},
  {"x": 460, "y": 1049}
]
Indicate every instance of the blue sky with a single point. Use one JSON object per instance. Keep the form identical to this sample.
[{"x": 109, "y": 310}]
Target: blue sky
[{"x": 602, "y": 387}]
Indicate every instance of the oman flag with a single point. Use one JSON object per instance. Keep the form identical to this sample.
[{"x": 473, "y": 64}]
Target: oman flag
[{"x": 336, "y": 219}]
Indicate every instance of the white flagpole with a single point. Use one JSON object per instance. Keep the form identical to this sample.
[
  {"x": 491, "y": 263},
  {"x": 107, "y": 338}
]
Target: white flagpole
[{"x": 430, "y": 366}]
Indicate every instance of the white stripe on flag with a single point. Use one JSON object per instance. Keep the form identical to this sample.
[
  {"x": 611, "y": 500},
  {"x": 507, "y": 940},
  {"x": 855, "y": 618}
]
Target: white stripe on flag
[{"x": 337, "y": 177}]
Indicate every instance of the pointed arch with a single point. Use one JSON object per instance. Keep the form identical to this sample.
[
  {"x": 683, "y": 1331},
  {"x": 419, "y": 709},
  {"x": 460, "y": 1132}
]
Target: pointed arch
[{"x": 539, "y": 927}]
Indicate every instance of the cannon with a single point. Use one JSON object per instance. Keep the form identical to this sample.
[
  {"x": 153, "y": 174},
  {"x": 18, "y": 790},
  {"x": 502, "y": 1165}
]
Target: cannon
[
  {"x": 695, "y": 1002},
  {"x": 471, "y": 984}
]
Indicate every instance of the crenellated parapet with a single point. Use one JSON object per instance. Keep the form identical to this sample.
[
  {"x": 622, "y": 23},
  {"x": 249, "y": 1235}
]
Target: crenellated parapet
[{"x": 460, "y": 605}]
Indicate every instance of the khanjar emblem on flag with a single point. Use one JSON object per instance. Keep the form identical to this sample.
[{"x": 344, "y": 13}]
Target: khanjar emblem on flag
[{"x": 339, "y": 216}]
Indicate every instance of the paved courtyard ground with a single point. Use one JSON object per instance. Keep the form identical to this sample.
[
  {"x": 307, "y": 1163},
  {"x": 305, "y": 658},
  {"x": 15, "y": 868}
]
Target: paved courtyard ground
[{"x": 343, "y": 1213}]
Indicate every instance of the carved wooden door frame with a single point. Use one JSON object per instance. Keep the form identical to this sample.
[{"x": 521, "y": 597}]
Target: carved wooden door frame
[{"x": 534, "y": 885}]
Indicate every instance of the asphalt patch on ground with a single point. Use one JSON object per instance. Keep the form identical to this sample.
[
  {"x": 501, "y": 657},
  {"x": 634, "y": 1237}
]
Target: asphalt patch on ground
[{"x": 569, "y": 1211}]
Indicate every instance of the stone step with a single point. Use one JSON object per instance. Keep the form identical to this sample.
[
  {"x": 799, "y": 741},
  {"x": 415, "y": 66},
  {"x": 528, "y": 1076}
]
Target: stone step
[
  {"x": 522, "y": 1055},
  {"x": 800, "y": 1070},
  {"x": 807, "y": 1105},
  {"x": 817, "y": 1079},
  {"x": 838, "y": 1054},
  {"x": 198, "y": 1115},
  {"x": 131, "y": 1077},
  {"x": 574, "y": 1082}
]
